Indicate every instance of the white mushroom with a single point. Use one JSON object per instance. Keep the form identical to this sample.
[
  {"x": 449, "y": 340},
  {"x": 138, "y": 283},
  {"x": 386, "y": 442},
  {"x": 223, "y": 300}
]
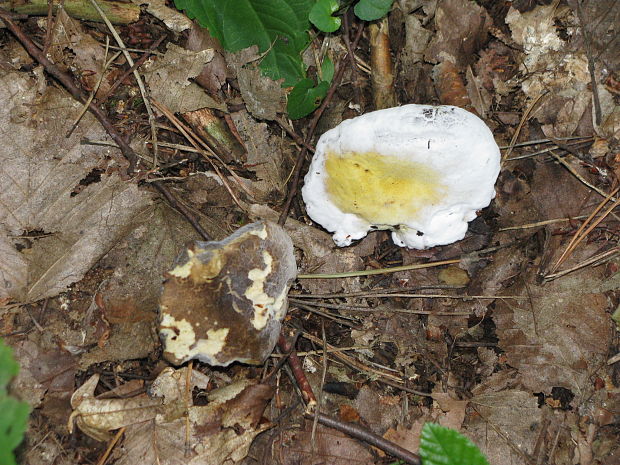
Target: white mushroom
[{"x": 418, "y": 170}]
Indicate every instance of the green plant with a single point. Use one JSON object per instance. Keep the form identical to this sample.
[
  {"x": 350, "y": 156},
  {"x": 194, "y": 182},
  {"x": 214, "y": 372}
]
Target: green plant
[
  {"x": 14, "y": 414},
  {"x": 445, "y": 446},
  {"x": 280, "y": 30}
]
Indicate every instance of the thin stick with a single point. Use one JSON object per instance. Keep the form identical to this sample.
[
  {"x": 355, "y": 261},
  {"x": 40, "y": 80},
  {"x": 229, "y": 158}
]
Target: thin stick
[
  {"x": 524, "y": 118},
  {"x": 543, "y": 223},
  {"x": 580, "y": 234},
  {"x": 543, "y": 141},
  {"x": 588, "y": 46},
  {"x": 548, "y": 149},
  {"x": 111, "y": 445},
  {"x": 361, "y": 433},
  {"x": 136, "y": 74},
  {"x": 139, "y": 62},
  {"x": 563, "y": 162},
  {"x": 590, "y": 261},
  {"x": 350, "y": 274}
]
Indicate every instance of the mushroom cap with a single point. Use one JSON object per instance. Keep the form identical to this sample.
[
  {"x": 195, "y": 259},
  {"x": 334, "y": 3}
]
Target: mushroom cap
[
  {"x": 421, "y": 171},
  {"x": 224, "y": 300}
]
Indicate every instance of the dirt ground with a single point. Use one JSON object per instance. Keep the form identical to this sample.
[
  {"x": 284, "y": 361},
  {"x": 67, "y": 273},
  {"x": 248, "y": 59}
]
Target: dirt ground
[{"x": 509, "y": 335}]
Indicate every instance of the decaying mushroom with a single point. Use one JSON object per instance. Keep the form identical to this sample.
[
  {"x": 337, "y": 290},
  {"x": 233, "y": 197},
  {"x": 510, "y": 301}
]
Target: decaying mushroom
[
  {"x": 224, "y": 301},
  {"x": 417, "y": 170}
]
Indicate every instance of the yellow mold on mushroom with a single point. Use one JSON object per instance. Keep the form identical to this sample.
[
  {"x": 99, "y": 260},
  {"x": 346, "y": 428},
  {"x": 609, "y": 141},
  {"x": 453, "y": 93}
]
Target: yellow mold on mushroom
[{"x": 381, "y": 189}]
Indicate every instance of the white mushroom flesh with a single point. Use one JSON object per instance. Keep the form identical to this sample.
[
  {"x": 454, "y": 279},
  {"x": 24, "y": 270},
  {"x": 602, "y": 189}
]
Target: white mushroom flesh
[{"x": 418, "y": 170}]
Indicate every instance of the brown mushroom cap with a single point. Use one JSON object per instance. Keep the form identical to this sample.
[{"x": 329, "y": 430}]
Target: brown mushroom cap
[{"x": 224, "y": 300}]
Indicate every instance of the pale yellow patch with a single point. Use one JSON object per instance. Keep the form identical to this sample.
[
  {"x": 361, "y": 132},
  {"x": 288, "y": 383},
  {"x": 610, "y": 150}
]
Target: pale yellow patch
[
  {"x": 263, "y": 304},
  {"x": 197, "y": 270},
  {"x": 215, "y": 342},
  {"x": 181, "y": 339},
  {"x": 381, "y": 189},
  {"x": 180, "y": 345},
  {"x": 261, "y": 233},
  {"x": 183, "y": 271}
]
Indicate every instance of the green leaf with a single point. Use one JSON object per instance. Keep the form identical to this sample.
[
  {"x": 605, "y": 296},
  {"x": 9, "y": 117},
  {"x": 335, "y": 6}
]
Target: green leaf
[
  {"x": 327, "y": 69},
  {"x": 13, "y": 413},
  {"x": 8, "y": 367},
  {"x": 305, "y": 98},
  {"x": 445, "y": 446},
  {"x": 321, "y": 15},
  {"x": 369, "y": 10},
  {"x": 277, "y": 27}
]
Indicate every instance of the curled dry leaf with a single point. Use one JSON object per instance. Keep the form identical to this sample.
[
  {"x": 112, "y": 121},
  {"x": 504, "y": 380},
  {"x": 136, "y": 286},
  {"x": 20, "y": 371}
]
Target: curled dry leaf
[
  {"x": 224, "y": 301},
  {"x": 157, "y": 430},
  {"x": 170, "y": 80}
]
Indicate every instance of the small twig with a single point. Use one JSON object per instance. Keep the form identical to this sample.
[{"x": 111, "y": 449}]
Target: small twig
[
  {"x": 544, "y": 141},
  {"x": 580, "y": 234},
  {"x": 317, "y": 410},
  {"x": 139, "y": 62},
  {"x": 196, "y": 142},
  {"x": 588, "y": 46},
  {"x": 563, "y": 162},
  {"x": 298, "y": 372},
  {"x": 580, "y": 144},
  {"x": 137, "y": 76},
  {"x": 363, "y": 434},
  {"x": 351, "y": 55},
  {"x": 597, "y": 259},
  {"x": 111, "y": 445},
  {"x": 542, "y": 223},
  {"x": 188, "y": 404},
  {"x": 311, "y": 128},
  {"x": 182, "y": 209},
  {"x": 106, "y": 64},
  {"x": 394, "y": 269},
  {"x": 524, "y": 118}
]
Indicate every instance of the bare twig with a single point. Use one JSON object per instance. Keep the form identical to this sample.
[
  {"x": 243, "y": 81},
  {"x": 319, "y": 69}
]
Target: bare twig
[
  {"x": 580, "y": 234},
  {"x": 137, "y": 76},
  {"x": 361, "y": 433},
  {"x": 591, "y": 69},
  {"x": 139, "y": 62}
]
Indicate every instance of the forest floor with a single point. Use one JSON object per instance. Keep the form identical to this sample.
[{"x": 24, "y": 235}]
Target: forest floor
[{"x": 509, "y": 336}]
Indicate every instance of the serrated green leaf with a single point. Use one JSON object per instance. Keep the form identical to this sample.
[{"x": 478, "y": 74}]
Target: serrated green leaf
[
  {"x": 445, "y": 446},
  {"x": 327, "y": 69},
  {"x": 321, "y": 15},
  {"x": 305, "y": 98},
  {"x": 277, "y": 27},
  {"x": 14, "y": 414},
  {"x": 370, "y": 10}
]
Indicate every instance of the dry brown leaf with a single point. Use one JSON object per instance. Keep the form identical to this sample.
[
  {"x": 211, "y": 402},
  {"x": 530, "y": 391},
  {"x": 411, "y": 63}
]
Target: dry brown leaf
[
  {"x": 157, "y": 430},
  {"x": 555, "y": 68},
  {"x": 88, "y": 57},
  {"x": 268, "y": 156},
  {"x": 219, "y": 433},
  {"x": 170, "y": 80},
  {"x": 503, "y": 425},
  {"x": 263, "y": 97},
  {"x": 462, "y": 29},
  {"x": 172, "y": 18},
  {"x": 59, "y": 209},
  {"x": 559, "y": 336}
]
